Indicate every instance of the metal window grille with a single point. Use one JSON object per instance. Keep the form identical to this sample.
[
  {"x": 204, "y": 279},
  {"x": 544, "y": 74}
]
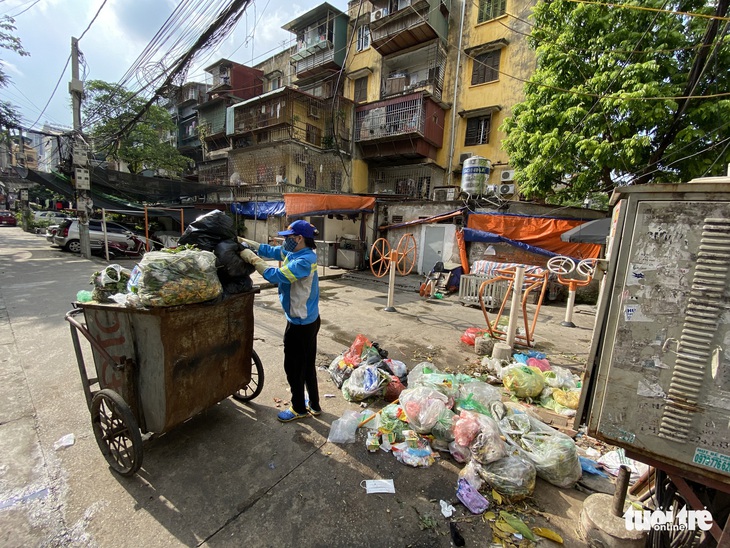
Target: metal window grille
[
  {"x": 421, "y": 69},
  {"x": 414, "y": 181}
]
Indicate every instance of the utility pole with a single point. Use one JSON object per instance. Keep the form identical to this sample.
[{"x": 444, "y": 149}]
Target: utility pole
[{"x": 82, "y": 181}]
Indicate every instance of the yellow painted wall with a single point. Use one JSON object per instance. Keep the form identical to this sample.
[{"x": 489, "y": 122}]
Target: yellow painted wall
[
  {"x": 359, "y": 176},
  {"x": 517, "y": 63}
]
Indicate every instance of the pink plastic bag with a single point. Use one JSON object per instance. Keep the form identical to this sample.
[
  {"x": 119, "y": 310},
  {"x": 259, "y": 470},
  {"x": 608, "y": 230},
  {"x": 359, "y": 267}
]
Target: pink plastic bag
[
  {"x": 541, "y": 364},
  {"x": 466, "y": 427}
]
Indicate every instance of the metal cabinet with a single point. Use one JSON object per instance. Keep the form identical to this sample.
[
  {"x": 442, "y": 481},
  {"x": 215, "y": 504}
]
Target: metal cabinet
[{"x": 661, "y": 381}]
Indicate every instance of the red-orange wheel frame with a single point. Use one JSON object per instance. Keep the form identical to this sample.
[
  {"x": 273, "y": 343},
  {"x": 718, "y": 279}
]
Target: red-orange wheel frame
[
  {"x": 380, "y": 257},
  {"x": 406, "y": 254}
]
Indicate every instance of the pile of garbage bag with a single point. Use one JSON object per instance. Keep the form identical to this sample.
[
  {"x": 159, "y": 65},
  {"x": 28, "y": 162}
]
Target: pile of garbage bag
[
  {"x": 364, "y": 370},
  {"x": 501, "y": 444},
  {"x": 530, "y": 377}
]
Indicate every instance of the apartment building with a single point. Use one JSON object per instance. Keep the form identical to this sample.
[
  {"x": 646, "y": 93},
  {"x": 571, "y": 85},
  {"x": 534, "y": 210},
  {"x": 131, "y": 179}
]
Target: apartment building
[
  {"x": 432, "y": 80},
  {"x": 297, "y": 135},
  {"x": 231, "y": 83}
]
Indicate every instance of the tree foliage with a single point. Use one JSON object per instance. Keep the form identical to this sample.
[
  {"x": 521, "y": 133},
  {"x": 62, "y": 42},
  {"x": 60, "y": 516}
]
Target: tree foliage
[
  {"x": 605, "y": 106},
  {"x": 9, "y": 117},
  {"x": 107, "y": 108}
]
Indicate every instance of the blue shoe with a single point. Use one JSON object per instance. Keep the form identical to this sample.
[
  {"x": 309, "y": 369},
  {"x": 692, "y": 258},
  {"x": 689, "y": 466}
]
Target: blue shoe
[
  {"x": 313, "y": 412},
  {"x": 291, "y": 415}
]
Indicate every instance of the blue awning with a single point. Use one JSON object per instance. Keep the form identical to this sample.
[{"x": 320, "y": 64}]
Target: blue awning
[
  {"x": 258, "y": 210},
  {"x": 473, "y": 235}
]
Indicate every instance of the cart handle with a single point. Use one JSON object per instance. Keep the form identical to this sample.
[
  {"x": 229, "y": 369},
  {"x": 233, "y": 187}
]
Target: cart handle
[{"x": 75, "y": 325}]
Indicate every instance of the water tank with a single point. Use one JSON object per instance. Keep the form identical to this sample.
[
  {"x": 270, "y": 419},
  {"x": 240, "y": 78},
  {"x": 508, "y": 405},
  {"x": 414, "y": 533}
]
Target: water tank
[{"x": 474, "y": 175}]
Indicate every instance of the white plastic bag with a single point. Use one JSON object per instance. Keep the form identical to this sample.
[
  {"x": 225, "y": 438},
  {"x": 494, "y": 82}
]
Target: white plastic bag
[
  {"x": 344, "y": 429},
  {"x": 422, "y": 406}
]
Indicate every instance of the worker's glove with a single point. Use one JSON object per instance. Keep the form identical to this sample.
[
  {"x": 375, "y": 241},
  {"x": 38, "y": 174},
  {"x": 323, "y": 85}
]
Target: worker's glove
[
  {"x": 250, "y": 243},
  {"x": 251, "y": 258}
]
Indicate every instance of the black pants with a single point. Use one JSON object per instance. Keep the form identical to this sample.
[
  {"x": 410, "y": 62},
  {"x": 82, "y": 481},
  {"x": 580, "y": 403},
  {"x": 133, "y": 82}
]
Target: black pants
[{"x": 300, "y": 354}]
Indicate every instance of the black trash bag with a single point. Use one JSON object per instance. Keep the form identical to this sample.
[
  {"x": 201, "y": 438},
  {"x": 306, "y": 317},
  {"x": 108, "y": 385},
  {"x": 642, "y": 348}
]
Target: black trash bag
[
  {"x": 229, "y": 260},
  {"x": 233, "y": 272},
  {"x": 209, "y": 230}
]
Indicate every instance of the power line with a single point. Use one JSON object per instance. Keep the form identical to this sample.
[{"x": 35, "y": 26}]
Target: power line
[{"x": 55, "y": 88}]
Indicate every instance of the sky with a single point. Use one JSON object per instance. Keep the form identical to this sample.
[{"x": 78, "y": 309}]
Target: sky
[{"x": 119, "y": 34}]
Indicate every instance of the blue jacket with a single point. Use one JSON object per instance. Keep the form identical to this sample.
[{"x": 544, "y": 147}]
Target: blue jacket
[{"x": 297, "y": 280}]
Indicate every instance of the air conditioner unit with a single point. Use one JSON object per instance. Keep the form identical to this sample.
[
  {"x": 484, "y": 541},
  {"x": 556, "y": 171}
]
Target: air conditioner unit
[
  {"x": 377, "y": 15},
  {"x": 507, "y": 175},
  {"x": 464, "y": 157},
  {"x": 506, "y": 189},
  {"x": 313, "y": 111}
]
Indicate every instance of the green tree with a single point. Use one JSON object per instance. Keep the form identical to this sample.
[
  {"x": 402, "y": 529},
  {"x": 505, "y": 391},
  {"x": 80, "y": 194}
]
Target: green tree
[
  {"x": 9, "y": 117},
  {"x": 622, "y": 96},
  {"x": 107, "y": 108}
]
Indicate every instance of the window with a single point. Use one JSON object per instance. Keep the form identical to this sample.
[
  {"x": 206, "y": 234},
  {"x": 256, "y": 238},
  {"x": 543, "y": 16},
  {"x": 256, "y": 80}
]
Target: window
[
  {"x": 486, "y": 67},
  {"x": 491, "y": 9},
  {"x": 314, "y": 135},
  {"x": 361, "y": 90},
  {"x": 275, "y": 83},
  {"x": 363, "y": 38},
  {"x": 336, "y": 181},
  {"x": 477, "y": 130}
]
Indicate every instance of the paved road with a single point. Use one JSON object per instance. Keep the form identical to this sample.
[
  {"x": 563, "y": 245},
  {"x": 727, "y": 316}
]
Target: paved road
[{"x": 232, "y": 475}]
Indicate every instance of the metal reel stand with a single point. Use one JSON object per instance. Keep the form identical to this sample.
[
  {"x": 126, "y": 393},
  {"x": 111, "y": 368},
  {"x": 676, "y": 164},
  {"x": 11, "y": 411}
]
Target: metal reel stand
[{"x": 384, "y": 260}]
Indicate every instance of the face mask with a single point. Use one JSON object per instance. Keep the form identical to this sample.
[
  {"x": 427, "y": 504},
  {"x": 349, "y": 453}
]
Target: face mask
[{"x": 290, "y": 244}]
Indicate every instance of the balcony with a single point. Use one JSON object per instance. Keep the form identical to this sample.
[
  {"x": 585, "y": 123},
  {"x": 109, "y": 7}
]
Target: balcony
[
  {"x": 410, "y": 126},
  {"x": 414, "y": 22},
  {"x": 316, "y": 61}
]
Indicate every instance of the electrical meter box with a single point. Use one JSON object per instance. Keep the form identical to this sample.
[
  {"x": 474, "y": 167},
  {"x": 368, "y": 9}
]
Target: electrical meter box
[{"x": 661, "y": 373}]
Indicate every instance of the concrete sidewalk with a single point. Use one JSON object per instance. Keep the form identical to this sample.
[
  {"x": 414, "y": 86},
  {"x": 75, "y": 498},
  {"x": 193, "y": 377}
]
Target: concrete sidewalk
[{"x": 233, "y": 475}]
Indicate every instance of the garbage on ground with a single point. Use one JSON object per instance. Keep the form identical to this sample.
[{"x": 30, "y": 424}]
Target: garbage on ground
[
  {"x": 501, "y": 445},
  {"x": 613, "y": 460},
  {"x": 471, "y": 334},
  {"x": 447, "y": 510},
  {"x": 471, "y": 498},
  {"x": 378, "y": 486},
  {"x": 344, "y": 429},
  {"x": 65, "y": 441}
]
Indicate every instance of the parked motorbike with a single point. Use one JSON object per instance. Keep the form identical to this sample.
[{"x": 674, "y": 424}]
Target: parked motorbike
[{"x": 133, "y": 247}]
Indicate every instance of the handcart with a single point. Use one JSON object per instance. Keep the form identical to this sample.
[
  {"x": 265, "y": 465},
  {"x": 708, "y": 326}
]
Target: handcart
[{"x": 158, "y": 367}]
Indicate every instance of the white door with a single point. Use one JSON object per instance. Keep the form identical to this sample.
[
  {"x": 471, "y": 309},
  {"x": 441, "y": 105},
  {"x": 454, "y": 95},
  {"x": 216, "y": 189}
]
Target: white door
[{"x": 432, "y": 245}]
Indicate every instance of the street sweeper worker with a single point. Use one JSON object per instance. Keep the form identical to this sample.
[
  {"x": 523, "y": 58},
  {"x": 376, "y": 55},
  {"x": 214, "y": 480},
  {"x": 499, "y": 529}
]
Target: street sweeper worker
[{"x": 299, "y": 296}]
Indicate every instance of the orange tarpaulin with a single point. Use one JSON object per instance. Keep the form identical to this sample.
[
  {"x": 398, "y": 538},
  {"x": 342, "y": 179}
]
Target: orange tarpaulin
[
  {"x": 463, "y": 255},
  {"x": 304, "y": 203},
  {"x": 543, "y": 232}
]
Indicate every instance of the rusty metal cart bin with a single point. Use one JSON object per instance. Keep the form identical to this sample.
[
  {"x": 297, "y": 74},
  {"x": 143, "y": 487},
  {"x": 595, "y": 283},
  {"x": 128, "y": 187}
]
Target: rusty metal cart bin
[{"x": 157, "y": 367}]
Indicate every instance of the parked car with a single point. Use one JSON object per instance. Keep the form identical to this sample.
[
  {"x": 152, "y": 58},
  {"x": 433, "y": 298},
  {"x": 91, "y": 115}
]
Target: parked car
[
  {"x": 51, "y": 231},
  {"x": 67, "y": 235},
  {"x": 7, "y": 218},
  {"x": 52, "y": 216}
]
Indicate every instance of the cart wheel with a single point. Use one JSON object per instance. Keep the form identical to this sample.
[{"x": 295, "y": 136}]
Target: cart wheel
[
  {"x": 116, "y": 432},
  {"x": 256, "y": 384}
]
